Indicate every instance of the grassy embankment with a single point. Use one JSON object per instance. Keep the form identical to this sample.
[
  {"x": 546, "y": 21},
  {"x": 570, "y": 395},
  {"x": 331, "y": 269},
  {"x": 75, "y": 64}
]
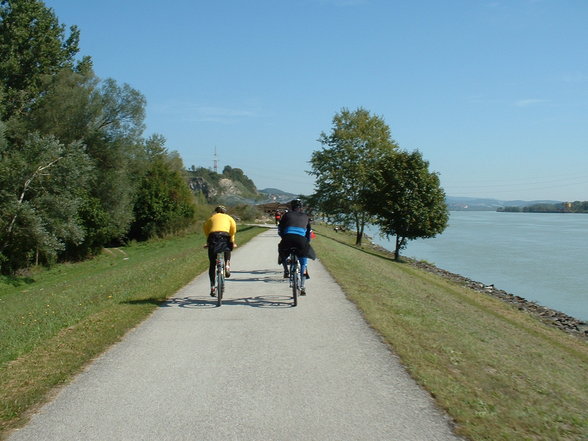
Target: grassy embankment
[
  {"x": 500, "y": 373},
  {"x": 55, "y": 321}
]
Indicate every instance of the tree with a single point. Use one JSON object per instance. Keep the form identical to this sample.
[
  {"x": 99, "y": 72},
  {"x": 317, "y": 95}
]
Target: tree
[
  {"x": 409, "y": 202},
  {"x": 344, "y": 167},
  {"x": 60, "y": 122},
  {"x": 32, "y": 45},
  {"x": 164, "y": 203},
  {"x": 108, "y": 119},
  {"x": 69, "y": 108},
  {"x": 41, "y": 186},
  {"x": 113, "y": 141}
]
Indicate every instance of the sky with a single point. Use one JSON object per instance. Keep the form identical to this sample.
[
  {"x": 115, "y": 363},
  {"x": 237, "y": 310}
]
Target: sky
[{"x": 494, "y": 94}]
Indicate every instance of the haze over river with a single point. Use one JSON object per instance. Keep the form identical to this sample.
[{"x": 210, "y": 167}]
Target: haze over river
[{"x": 541, "y": 257}]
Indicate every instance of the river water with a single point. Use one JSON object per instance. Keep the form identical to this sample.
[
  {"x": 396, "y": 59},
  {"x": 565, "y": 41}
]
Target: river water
[{"x": 541, "y": 257}]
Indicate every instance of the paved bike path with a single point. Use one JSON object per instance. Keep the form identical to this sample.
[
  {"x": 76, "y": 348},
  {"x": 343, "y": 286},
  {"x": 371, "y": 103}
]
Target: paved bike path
[{"x": 255, "y": 369}]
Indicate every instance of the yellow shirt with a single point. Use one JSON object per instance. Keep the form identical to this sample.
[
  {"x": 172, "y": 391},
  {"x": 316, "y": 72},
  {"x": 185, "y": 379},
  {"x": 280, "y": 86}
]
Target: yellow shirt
[{"x": 221, "y": 223}]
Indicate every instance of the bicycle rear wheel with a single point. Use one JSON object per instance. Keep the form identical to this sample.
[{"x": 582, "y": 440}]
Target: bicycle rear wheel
[
  {"x": 220, "y": 278},
  {"x": 295, "y": 278}
]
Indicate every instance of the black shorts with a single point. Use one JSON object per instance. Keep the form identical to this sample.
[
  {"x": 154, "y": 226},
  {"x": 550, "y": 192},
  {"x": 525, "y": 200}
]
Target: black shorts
[
  {"x": 219, "y": 242},
  {"x": 300, "y": 243}
]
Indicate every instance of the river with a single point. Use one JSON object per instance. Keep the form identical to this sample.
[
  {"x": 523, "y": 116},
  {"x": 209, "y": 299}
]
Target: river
[{"x": 541, "y": 257}]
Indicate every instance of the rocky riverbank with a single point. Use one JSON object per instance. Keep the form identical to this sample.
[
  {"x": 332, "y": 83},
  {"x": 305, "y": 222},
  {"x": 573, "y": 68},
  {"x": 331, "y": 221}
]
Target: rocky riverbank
[{"x": 552, "y": 317}]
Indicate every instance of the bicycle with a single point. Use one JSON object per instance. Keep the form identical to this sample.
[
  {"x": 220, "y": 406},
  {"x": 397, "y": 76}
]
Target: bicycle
[
  {"x": 295, "y": 276},
  {"x": 219, "y": 279}
]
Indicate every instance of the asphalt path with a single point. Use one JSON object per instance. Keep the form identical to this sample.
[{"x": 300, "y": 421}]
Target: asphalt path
[{"x": 255, "y": 369}]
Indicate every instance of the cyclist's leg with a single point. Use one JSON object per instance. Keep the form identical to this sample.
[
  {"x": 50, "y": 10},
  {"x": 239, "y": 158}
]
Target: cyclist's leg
[
  {"x": 227, "y": 264},
  {"x": 211, "y": 268},
  {"x": 300, "y": 243},
  {"x": 283, "y": 257},
  {"x": 303, "y": 263}
]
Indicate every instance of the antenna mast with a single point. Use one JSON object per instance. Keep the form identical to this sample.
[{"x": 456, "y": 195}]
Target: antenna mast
[{"x": 215, "y": 161}]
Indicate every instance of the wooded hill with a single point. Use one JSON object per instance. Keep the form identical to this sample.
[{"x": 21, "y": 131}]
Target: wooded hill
[
  {"x": 562, "y": 207},
  {"x": 231, "y": 187}
]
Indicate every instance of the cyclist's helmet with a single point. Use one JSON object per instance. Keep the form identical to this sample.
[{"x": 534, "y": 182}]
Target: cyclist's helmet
[
  {"x": 221, "y": 209},
  {"x": 296, "y": 204}
]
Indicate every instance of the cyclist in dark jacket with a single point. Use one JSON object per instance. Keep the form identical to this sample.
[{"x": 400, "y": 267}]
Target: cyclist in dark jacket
[{"x": 294, "y": 229}]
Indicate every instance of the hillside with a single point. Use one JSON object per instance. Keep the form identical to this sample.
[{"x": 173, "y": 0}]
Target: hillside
[{"x": 232, "y": 187}]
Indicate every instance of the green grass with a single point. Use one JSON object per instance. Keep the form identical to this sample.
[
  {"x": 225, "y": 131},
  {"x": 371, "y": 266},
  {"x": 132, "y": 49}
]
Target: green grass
[
  {"x": 54, "y": 321},
  {"x": 500, "y": 373}
]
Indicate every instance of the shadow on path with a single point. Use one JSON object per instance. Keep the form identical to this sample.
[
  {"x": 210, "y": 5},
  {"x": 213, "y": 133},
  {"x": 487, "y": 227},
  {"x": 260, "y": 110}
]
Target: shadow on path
[
  {"x": 262, "y": 275},
  {"x": 205, "y": 301},
  {"x": 267, "y": 301}
]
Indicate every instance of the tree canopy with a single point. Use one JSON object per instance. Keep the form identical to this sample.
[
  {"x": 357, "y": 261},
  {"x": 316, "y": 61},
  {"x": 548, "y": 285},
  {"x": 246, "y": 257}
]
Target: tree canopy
[
  {"x": 41, "y": 187},
  {"x": 345, "y": 165},
  {"x": 76, "y": 173},
  {"x": 409, "y": 202},
  {"x": 32, "y": 45},
  {"x": 362, "y": 176}
]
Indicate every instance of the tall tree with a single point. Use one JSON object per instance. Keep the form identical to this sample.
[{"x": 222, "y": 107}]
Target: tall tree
[
  {"x": 40, "y": 194},
  {"x": 409, "y": 202},
  {"x": 108, "y": 119},
  {"x": 114, "y": 143},
  {"x": 344, "y": 167},
  {"x": 32, "y": 45},
  {"x": 164, "y": 203},
  {"x": 69, "y": 108}
]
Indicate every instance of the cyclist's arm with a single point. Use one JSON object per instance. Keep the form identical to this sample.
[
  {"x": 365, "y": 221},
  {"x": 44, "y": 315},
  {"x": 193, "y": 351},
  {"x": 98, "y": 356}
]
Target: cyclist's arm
[
  {"x": 206, "y": 227},
  {"x": 233, "y": 231}
]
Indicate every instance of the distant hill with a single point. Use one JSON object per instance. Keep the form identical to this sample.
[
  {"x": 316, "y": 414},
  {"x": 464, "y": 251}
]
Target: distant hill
[
  {"x": 232, "y": 187},
  {"x": 275, "y": 191},
  {"x": 481, "y": 204},
  {"x": 275, "y": 195}
]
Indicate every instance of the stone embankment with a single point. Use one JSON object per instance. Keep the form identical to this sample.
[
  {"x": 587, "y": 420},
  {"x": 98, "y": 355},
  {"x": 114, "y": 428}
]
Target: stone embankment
[
  {"x": 562, "y": 321},
  {"x": 550, "y": 316}
]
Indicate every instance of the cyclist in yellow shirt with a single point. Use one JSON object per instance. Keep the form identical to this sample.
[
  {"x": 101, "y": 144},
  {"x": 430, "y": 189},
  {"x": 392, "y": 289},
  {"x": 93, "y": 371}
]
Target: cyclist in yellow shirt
[{"x": 220, "y": 230}]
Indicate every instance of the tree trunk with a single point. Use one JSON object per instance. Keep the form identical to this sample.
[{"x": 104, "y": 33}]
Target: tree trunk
[
  {"x": 360, "y": 225},
  {"x": 397, "y": 249}
]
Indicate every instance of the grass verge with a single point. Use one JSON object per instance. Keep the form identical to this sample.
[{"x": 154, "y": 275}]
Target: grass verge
[
  {"x": 54, "y": 322},
  {"x": 500, "y": 373}
]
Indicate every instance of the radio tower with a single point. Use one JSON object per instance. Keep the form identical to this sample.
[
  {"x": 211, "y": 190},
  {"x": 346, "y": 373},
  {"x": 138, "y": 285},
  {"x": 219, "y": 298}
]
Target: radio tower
[{"x": 215, "y": 162}]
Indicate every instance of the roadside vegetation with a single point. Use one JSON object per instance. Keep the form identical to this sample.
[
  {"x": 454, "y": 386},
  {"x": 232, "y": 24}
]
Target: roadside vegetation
[
  {"x": 500, "y": 373},
  {"x": 54, "y": 321}
]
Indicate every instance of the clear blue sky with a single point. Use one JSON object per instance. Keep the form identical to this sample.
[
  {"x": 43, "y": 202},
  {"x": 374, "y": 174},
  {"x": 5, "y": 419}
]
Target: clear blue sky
[{"x": 493, "y": 93}]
